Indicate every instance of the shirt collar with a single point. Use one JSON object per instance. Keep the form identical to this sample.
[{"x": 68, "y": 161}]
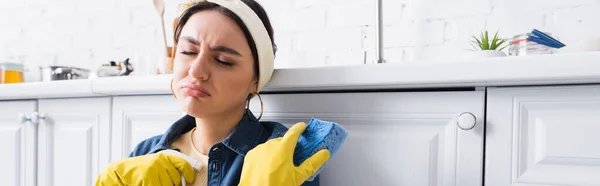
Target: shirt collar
[{"x": 245, "y": 136}]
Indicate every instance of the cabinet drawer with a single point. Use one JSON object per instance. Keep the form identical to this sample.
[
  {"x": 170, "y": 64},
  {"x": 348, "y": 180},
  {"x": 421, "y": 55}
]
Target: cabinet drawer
[
  {"x": 543, "y": 136},
  {"x": 136, "y": 118},
  {"x": 394, "y": 138},
  {"x": 18, "y": 135},
  {"x": 73, "y": 140}
]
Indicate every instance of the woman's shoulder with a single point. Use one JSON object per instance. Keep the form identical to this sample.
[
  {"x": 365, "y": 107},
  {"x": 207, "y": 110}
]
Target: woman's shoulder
[
  {"x": 144, "y": 147},
  {"x": 275, "y": 129}
]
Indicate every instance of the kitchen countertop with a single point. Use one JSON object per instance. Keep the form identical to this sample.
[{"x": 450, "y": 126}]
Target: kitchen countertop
[{"x": 583, "y": 68}]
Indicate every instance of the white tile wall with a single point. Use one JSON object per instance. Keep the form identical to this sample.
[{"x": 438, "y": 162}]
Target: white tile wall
[{"x": 309, "y": 33}]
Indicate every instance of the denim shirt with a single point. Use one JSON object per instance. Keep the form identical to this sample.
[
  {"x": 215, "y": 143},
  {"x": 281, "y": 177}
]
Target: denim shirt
[{"x": 225, "y": 159}]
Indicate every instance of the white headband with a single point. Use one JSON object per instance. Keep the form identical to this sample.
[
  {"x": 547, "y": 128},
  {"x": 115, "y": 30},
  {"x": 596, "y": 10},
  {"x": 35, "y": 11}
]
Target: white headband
[{"x": 264, "y": 47}]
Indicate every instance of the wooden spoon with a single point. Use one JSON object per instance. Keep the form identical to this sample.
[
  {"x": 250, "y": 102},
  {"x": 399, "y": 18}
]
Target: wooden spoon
[{"x": 160, "y": 8}]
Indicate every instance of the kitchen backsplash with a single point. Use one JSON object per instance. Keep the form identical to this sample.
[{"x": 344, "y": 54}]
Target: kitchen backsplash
[{"x": 87, "y": 33}]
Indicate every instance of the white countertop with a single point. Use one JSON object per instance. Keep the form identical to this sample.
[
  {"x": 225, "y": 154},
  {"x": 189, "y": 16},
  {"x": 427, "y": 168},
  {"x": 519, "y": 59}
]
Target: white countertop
[{"x": 581, "y": 68}]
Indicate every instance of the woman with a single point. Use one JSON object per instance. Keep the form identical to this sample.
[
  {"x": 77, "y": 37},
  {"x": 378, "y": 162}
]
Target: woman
[{"x": 224, "y": 57}]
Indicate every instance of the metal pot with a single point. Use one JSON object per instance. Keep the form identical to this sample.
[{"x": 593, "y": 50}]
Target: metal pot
[{"x": 53, "y": 73}]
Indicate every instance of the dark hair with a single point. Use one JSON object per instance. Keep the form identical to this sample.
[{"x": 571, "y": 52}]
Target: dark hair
[{"x": 255, "y": 6}]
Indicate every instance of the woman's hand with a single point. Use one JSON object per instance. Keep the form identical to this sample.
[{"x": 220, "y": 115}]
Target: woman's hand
[
  {"x": 271, "y": 163},
  {"x": 151, "y": 169}
]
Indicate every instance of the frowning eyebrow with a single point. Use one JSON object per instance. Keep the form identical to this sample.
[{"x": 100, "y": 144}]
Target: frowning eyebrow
[
  {"x": 225, "y": 49},
  {"x": 191, "y": 40}
]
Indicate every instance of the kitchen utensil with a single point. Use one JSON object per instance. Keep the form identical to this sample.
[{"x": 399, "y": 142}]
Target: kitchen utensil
[
  {"x": 11, "y": 73},
  {"x": 520, "y": 45},
  {"x": 160, "y": 8},
  {"x": 544, "y": 39},
  {"x": 54, "y": 73},
  {"x": 548, "y": 38},
  {"x": 126, "y": 67},
  {"x": 115, "y": 69},
  {"x": 542, "y": 42}
]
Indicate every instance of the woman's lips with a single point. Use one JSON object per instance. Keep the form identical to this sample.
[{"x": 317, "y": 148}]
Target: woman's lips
[{"x": 194, "y": 90}]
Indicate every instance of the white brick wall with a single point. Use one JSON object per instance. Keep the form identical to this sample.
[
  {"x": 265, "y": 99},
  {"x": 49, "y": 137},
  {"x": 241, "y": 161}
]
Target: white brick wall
[
  {"x": 309, "y": 33},
  {"x": 82, "y": 33}
]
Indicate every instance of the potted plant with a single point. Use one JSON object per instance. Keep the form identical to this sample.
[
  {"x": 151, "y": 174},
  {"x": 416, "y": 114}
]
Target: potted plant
[{"x": 488, "y": 47}]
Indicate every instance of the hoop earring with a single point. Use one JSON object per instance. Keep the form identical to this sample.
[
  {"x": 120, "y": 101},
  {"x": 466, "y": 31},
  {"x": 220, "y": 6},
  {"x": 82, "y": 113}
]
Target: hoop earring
[
  {"x": 172, "y": 92},
  {"x": 261, "y": 106}
]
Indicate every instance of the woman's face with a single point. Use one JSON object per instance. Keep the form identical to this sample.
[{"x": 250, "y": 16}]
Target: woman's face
[{"x": 213, "y": 67}]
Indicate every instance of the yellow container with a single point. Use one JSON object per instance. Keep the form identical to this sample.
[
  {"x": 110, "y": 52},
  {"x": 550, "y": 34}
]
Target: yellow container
[{"x": 11, "y": 73}]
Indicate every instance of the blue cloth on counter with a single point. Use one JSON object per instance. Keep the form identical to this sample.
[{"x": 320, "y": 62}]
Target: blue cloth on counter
[{"x": 227, "y": 157}]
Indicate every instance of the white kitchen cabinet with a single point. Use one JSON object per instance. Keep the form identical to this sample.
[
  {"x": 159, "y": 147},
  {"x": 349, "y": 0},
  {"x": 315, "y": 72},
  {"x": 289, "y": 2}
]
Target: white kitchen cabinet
[
  {"x": 543, "y": 136},
  {"x": 18, "y": 135},
  {"x": 395, "y": 138},
  {"x": 136, "y": 118},
  {"x": 73, "y": 140}
]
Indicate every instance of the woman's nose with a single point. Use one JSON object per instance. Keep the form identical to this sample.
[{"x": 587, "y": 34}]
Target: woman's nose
[{"x": 200, "y": 68}]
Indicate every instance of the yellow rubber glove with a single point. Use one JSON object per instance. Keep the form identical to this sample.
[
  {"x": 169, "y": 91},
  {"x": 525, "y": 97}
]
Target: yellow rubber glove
[
  {"x": 151, "y": 169},
  {"x": 271, "y": 163}
]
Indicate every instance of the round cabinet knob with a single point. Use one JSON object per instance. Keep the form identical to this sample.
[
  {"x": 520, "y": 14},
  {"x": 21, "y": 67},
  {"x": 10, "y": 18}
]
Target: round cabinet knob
[
  {"x": 24, "y": 118},
  {"x": 466, "y": 121},
  {"x": 37, "y": 117}
]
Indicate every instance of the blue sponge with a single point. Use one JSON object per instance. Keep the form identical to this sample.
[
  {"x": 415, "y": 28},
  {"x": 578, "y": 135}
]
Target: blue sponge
[{"x": 317, "y": 136}]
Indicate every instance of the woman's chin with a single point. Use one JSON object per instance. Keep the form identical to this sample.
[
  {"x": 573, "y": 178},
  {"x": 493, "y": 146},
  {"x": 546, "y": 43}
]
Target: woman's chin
[{"x": 193, "y": 106}]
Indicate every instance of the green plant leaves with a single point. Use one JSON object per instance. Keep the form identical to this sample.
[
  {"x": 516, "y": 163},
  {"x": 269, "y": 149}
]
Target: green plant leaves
[
  {"x": 484, "y": 43},
  {"x": 497, "y": 42},
  {"x": 476, "y": 44}
]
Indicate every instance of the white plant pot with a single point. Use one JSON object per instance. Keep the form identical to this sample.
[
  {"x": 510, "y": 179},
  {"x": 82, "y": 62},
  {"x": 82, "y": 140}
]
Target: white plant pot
[{"x": 486, "y": 54}]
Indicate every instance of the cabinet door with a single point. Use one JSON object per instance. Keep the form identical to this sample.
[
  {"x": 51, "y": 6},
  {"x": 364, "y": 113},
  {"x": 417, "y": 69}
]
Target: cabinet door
[
  {"x": 17, "y": 134},
  {"x": 136, "y": 118},
  {"x": 408, "y": 138},
  {"x": 73, "y": 140},
  {"x": 543, "y": 136}
]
